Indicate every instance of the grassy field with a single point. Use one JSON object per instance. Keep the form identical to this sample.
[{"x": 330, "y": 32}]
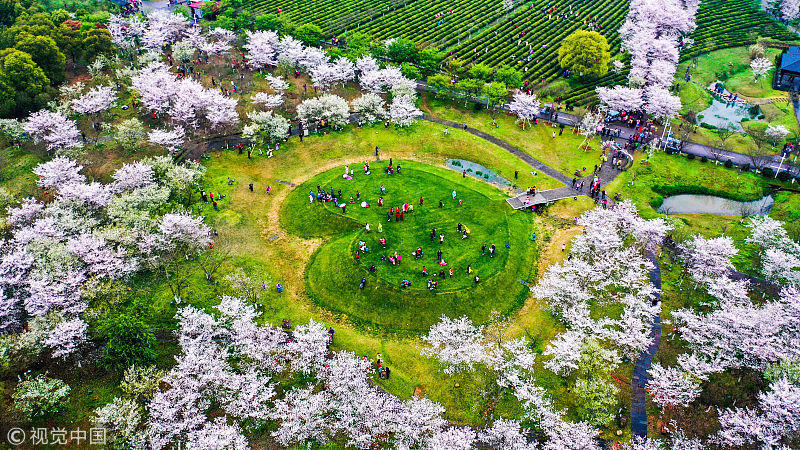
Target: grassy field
[
  {"x": 560, "y": 152},
  {"x": 334, "y": 275}
]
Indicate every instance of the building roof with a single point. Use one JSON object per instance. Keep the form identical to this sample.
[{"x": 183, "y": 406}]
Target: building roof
[{"x": 790, "y": 61}]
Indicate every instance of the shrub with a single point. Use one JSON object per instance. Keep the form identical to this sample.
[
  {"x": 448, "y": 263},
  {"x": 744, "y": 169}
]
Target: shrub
[
  {"x": 703, "y": 159},
  {"x": 486, "y": 175},
  {"x": 39, "y": 396},
  {"x": 768, "y": 172},
  {"x": 656, "y": 202},
  {"x": 746, "y": 167},
  {"x": 130, "y": 341},
  {"x": 478, "y": 173},
  {"x": 728, "y": 163},
  {"x": 708, "y": 126},
  {"x": 784, "y": 176},
  {"x": 469, "y": 170},
  {"x": 691, "y": 156}
]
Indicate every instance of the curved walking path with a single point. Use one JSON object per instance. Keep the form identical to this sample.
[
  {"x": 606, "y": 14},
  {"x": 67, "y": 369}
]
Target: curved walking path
[
  {"x": 607, "y": 174},
  {"x": 645, "y": 359}
]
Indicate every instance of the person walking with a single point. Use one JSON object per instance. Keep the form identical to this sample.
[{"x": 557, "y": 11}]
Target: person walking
[{"x": 251, "y": 187}]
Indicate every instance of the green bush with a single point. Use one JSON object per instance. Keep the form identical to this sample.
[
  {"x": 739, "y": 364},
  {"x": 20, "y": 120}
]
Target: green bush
[
  {"x": 656, "y": 202},
  {"x": 728, "y": 163},
  {"x": 478, "y": 173},
  {"x": 784, "y": 176},
  {"x": 130, "y": 341},
  {"x": 690, "y": 155},
  {"x": 746, "y": 167},
  {"x": 768, "y": 172},
  {"x": 486, "y": 175},
  {"x": 39, "y": 396},
  {"x": 703, "y": 159},
  {"x": 707, "y": 126}
]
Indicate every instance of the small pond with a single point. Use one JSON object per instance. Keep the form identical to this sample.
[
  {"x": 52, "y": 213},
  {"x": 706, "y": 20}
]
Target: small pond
[
  {"x": 476, "y": 170},
  {"x": 709, "y": 204},
  {"x": 722, "y": 113}
]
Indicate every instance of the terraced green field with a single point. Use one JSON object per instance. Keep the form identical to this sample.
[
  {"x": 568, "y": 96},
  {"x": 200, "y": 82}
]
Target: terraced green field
[{"x": 525, "y": 37}]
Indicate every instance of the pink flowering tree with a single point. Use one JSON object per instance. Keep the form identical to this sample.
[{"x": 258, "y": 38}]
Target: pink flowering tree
[
  {"x": 54, "y": 129},
  {"x": 172, "y": 139}
]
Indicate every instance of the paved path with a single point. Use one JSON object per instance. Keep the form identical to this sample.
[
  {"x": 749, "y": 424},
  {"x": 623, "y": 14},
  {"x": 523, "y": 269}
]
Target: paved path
[
  {"x": 606, "y": 174},
  {"x": 699, "y": 150},
  {"x": 645, "y": 359}
]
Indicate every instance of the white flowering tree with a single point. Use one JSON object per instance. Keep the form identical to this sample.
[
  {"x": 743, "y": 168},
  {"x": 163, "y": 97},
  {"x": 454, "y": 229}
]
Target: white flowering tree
[
  {"x": 760, "y": 67},
  {"x": 457, "y": 344},
  {"x": 671, "y": 386},
  {"x": 95, "y": 100},
  {"x": 172, "y": 139},
  {"x": 331, "y": 108},
  {"x": 262, "y": 49},
  {"x": 266, "y": 128},
  {"x": 269, "y": 101},
  {"x": 525, "y": 107},
  {"x": 369, "y": 108},
  {"x": 403, "y": 112},
  {"x": 620, "y": 98},
  {"x": 774, "y": 424}
]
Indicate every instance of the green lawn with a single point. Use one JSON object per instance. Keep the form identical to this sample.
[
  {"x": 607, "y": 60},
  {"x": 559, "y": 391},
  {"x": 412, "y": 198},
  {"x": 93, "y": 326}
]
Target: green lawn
[
  {"x": 732, "y": 66},
  {"x": 561, "y": 153},
  {"x": 334, "y": 276}
]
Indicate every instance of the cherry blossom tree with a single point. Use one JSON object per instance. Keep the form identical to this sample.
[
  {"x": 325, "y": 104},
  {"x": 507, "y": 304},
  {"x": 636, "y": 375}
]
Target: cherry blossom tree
[
  {"x": 279, "y": 85},
  {"x": 54, "y": 129},
  {"x": 132, "y": 176},
  {"x": 269, "y": 101},
  {"x": 67, "y": 337},
  {"x": 163, "y": 28},
  {"x": 403, "y": 111},
  {"x": 760, "y": 67},
  {"x": 660, "y": 103},
  {"x": 525, "y": 106},
  {"x": 95, "y": 100},
  {"x": 671, "y": 386},
  {"x": 610, "y": 252},
  {"x": 369, "y": 108},
  {"x": 365, "y": 64},
  {"x": 774, "y": 423},
  {"x": 458, "y": 344},
  {"x": 58, "y": 172},
  {"x": 743, "y": 335},
  {"x": 185, "y": 101},
  {"x": 171, "y": 139},
  {"x": 620, "y": 98},
  {"x": 780, "y": 255},
  {"x": 330, "y": 108},
  {"x": 262, "y": 48}
]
